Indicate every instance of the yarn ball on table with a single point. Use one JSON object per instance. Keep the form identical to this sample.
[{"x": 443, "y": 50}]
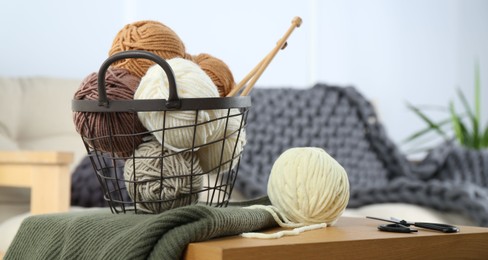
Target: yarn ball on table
[
  {"x": 146, "y": 35},
  {"x": 226, "y": 152},
  {"x": 218, "y": 71},
  {"x": 181, "y": 179},
  {"x": 191, "y": 82},
  {"x": 112, "y": 132},
  {"x": 308, "y": 186}
]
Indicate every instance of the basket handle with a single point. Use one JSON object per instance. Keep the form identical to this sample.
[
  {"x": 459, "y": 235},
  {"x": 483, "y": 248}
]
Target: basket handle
[{"x": 173, "y": 99}]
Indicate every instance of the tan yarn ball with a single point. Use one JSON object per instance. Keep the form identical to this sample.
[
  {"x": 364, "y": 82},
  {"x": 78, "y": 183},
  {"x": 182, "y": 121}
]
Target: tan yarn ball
[
  {"x": 181, "y": 180},
  {"x": 218, "y": 71},
  {"x": 308, "y": 186},
  {"x": 150, "y": 36}
]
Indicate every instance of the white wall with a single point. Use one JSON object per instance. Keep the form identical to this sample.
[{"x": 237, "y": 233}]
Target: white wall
[{"x": 393, "y": 51}]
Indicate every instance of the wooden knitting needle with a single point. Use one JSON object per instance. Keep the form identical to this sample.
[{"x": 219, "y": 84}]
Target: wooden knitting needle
[
  {"x": 296, "y": 22},
  {"x": 249, "y": 75},
  {"x": 241, "y": 84}
]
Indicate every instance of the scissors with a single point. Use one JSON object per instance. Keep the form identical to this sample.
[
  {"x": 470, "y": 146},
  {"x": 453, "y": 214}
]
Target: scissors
[{"x": 403, "y": 226}]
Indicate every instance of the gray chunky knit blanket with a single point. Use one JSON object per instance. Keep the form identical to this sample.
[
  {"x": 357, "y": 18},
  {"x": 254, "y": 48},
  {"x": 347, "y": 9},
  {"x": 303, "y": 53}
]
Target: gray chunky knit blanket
[{"x": 344, "y": 123}]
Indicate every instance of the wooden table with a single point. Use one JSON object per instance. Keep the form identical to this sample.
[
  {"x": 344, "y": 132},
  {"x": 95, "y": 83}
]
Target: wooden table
[
  {"x": 350, "y": 238},
  {"x": 46, "y": 173}
]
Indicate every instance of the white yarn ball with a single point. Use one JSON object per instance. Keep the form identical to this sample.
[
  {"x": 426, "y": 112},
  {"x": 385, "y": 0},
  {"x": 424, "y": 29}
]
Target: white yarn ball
[
  {"x": 191, "y": 82},
  {"x": 231, "y": 144},
  {"x": 181, "y": 183},
  {"x": 308, "y": 186}
]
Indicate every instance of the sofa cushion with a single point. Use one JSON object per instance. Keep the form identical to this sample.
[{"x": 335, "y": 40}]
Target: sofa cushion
[
  {"x": 10, "y": 107},
  {"x": 36, "y": 115}
]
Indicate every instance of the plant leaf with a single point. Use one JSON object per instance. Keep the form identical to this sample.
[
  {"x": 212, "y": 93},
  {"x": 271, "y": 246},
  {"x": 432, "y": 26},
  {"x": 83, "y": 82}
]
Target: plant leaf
[
  {"x": 474, "y": 119},
  {"x": 427, "y": 120},
  {"x": 457, "y": 125},
  {"x": 465, "y": 102},
  {"x": 425, "y": 131},
  {"x": 468, "y": 139},
  {"x": 477, "y": 92},
  {"x": 484, "y": 141}
]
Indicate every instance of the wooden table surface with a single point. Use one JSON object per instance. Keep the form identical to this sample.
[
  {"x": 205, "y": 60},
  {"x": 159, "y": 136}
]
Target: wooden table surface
[{"x": 350, "y": 238}]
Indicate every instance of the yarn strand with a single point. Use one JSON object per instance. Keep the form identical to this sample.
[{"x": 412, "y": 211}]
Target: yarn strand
[
  {"x": 279, "y": 234},
  {"x": 278, "y": 216},
  {"x": 282, "y": 221}
]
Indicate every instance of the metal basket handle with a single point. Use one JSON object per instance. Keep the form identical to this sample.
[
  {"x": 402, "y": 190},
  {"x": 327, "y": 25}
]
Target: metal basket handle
[{"x": 173, "y": 99}]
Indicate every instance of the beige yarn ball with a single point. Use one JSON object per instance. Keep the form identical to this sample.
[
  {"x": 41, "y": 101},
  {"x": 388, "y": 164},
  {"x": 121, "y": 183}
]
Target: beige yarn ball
[
  {"x": 308, "y": 186},
  {"x": 179, "y": 184},
  {"x": 191, "y": 82},
  {"x": 225, "y": 152}
]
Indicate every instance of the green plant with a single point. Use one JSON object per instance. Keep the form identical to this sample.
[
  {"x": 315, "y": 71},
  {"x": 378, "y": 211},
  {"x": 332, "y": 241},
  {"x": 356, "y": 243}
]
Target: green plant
[{"x": 466, "y": 127}]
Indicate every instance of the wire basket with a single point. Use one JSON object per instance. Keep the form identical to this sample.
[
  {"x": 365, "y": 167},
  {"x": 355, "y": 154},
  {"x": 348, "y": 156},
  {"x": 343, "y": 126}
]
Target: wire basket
[{"x": 166, "y": 177}]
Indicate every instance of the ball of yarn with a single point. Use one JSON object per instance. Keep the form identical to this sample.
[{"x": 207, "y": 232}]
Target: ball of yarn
[
  {"x": 308, "y": 186},
  {"x": 150, "y": 36},
  {"x": 112, "y": 131},
  {"x": 226, "y": 152},
  {"x": 218, "y": 71},
  {"x": 191, "y": 82},
  {"x": 181, "y": 179}
]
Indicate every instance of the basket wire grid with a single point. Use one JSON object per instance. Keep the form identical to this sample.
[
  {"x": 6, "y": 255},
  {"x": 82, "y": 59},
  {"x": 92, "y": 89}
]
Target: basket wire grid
[{"x": 109, "y": 165}]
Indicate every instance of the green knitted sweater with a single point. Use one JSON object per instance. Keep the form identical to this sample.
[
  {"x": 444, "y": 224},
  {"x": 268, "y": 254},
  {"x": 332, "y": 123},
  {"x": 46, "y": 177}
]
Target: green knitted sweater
[{"x": 99, "y": 234}]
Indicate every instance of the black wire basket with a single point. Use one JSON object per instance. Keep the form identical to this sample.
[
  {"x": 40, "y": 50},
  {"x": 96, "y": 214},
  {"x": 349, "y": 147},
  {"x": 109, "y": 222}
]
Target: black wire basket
[{"x": 164, "y": 178}]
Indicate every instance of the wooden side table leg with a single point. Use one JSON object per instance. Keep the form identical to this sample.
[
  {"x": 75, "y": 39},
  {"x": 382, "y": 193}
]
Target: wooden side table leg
[{"x": 51, "y": 189}]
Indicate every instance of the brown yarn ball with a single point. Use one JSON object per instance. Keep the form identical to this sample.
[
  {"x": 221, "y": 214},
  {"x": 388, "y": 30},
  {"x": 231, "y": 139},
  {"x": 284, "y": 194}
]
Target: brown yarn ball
[
  {"x": 119, "y": 85},
  {"x": 150, "y": 36},
  {"x": 217, "y": 70}
]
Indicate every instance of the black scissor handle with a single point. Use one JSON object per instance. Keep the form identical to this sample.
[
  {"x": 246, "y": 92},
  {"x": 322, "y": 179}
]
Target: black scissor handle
[
  {"x": 396, "y": 228},
  {"x": 436, "y": 226}
]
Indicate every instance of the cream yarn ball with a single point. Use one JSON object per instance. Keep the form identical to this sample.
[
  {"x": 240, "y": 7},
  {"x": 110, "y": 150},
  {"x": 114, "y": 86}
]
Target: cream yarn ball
[
  {"x": 181, "y": 181},
  {"x": 226, "y": 152},
  {"x": 191, "y": 82},
  {"x": 308, "y": 186}
]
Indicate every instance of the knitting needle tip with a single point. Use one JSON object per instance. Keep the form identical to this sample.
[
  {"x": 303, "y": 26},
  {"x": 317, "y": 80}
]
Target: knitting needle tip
[{"x": 297, "y": 21}]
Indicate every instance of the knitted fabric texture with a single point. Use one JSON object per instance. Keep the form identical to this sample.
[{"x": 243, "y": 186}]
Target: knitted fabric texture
[
  {"x": 99, "y": 234},
  {"x": 86, "y": 189},
  {"x": 336, "y": 119},
  {"x": 344, "y": 123}
]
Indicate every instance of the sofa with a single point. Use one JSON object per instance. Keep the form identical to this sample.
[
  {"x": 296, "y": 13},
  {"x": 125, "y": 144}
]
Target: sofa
[{"x": 36, "y": 115}]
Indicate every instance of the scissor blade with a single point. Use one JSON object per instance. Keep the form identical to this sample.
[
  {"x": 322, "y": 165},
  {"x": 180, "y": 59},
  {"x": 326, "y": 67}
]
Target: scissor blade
[
  {"x": 382, "y": 219},
  {"x": 395, "y": 219}
]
